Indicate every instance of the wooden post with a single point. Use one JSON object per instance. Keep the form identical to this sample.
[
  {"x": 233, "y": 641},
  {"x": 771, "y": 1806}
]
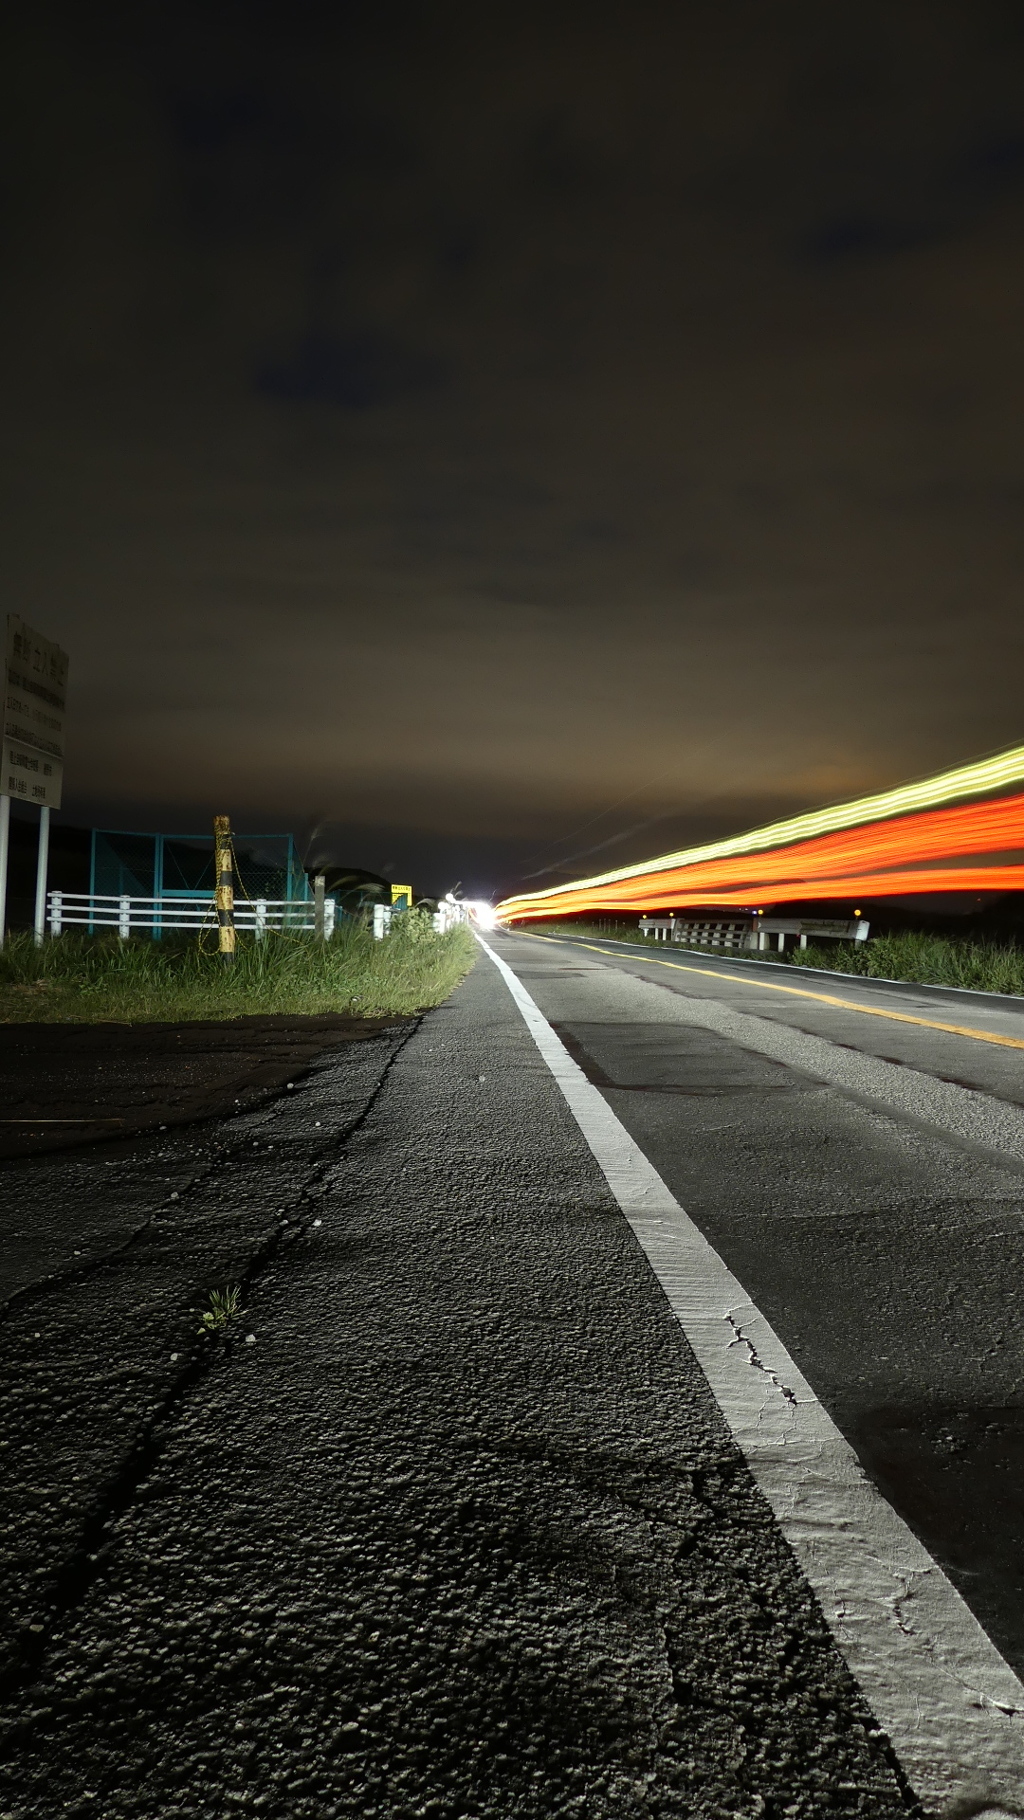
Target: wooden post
[
  {"x": 319, "y": 887},
  {"x": 224, "y": 873}
]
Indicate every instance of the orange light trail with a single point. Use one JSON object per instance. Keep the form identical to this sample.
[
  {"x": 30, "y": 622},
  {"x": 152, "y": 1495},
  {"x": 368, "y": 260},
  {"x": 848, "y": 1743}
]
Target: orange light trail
[{"x": 926, "y": 852}]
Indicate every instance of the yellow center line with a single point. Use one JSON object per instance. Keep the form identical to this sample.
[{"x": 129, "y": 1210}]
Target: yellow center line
[{"x": 823, "y": 998}]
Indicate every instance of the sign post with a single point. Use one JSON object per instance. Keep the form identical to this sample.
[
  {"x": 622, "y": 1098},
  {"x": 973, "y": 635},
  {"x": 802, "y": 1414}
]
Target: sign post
[
  {"x": 42, "y": 864},
  {"x": 5, "y": 844},
  {"x": 32, "y": 756}
]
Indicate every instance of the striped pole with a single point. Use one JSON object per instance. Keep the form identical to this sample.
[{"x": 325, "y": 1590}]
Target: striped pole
[{"x": 224, "y": 872}]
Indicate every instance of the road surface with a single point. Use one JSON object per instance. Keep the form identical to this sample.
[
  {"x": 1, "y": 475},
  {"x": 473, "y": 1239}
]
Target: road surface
[{"x": 450, "y": 1521}]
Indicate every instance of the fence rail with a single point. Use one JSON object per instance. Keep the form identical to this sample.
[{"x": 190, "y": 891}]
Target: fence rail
[
  {"x": 754, "y": 931},
  {"x": 139, "y": 915}
]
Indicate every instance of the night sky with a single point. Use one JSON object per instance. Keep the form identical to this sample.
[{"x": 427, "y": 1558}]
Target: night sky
[{"x": 503, "y": 442}]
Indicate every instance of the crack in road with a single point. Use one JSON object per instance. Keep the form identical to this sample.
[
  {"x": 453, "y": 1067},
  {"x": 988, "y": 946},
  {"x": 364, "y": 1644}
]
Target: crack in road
[
  {"x": 72, "y": 1579},
  {"x": 756, "y": 1362}
]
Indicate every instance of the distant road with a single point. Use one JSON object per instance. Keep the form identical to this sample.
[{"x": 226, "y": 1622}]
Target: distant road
[{"x": 855, "y": 1154}]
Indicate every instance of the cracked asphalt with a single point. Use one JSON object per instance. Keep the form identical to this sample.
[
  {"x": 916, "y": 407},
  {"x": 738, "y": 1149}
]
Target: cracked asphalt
[{"x": 448, "y": 1522}]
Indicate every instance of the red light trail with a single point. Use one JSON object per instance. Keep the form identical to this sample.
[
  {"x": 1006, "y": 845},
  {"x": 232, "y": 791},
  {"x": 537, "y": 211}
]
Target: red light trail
[{"x": 971, "y": 847}]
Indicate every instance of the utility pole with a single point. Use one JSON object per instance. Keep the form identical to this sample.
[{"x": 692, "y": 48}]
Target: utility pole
[{"x": 225, "y": 893}]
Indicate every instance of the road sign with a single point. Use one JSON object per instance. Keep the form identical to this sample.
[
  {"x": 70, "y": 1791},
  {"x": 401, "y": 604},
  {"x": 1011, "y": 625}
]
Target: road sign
[
  {"x": 401, "y": 897},
  {"x": 35, "y": 702}
]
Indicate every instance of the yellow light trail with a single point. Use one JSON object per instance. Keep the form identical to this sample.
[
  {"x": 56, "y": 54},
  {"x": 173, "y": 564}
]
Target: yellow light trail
[{"x": 844, "y": 852}]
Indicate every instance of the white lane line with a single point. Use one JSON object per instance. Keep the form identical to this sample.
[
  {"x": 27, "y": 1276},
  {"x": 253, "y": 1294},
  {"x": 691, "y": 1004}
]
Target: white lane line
[{"x": 952, "y": 1708}]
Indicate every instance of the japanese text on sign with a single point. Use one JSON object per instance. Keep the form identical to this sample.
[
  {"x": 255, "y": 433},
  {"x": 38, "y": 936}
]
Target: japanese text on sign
[{"x": 32, "y": 761}]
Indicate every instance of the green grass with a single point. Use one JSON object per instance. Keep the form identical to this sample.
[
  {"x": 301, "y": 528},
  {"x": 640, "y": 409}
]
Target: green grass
[
  {"x": 101, "y": 979},
  {"x": 225, "y": 1304},
  {"x": 927, "y": 960}
]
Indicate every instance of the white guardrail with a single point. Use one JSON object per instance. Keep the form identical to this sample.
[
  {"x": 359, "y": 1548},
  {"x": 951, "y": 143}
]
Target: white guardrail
[
  {"x": 152, "y": 915},
  {"x": 753, "y": 932}
]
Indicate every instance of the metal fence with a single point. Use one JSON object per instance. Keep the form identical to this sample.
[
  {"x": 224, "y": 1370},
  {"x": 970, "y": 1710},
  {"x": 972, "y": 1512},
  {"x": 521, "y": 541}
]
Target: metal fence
[
  {"x": 125, "y": 862},
  {"x": 155, "y": 915}
]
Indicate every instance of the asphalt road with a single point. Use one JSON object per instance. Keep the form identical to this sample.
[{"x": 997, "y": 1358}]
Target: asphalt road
[
  {"x": 862, "y": 1176},
  {"x": 448, "y": 1520},
  {"x": 448, "y": 1523}
]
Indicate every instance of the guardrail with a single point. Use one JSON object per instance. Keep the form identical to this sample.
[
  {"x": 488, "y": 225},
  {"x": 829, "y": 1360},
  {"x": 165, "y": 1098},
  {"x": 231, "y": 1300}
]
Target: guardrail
[
  {"x": 714, "y": 934},
  {"x": 139, "y": 915},
  {"x": 753, "y": 932}
]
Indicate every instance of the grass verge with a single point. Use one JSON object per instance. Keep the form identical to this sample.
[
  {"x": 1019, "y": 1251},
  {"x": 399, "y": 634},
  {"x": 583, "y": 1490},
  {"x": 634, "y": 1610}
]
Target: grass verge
[
  {"x": 101, "y": 979},
  {"x": 926, "y": 960}
]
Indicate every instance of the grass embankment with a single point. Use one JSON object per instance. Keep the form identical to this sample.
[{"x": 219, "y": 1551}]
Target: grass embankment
[
  {"x": 926, "y": 960},
  {"x": 101, "y": 979}
]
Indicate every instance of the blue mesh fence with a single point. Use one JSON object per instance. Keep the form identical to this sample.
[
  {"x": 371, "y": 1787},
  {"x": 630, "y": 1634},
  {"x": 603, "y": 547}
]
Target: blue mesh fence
[{"x": 131, "y": 864}]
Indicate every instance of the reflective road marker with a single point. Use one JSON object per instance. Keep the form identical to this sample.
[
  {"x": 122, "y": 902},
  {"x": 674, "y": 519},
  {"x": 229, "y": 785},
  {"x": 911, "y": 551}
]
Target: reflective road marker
[{"x": 951, "y": 1706}]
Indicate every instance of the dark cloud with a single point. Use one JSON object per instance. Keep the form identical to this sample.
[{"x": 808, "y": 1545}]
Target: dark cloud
[
  {"x": 910, "y": 209},
  {"x": 447, "y": 423},
  {"x": 355, "y": 372}
]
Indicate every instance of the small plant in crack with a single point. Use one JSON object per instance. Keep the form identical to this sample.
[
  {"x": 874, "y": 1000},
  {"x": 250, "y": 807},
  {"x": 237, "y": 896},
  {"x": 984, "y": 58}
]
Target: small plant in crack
[{"x": 225, "y": 1304}]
